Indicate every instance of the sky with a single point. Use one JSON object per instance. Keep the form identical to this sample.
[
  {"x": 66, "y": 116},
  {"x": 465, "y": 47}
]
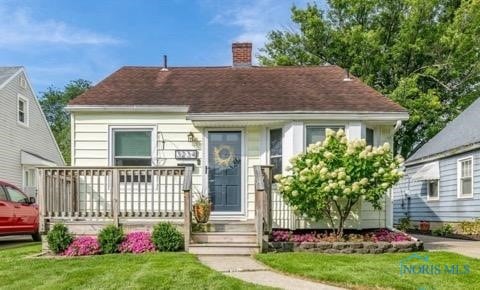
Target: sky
[{"x": 62, "y": 40}]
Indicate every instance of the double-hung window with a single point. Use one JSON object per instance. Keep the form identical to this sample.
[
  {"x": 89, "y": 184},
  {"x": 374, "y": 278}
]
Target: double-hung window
[
  {"x": 369, "y": 136},
  {"x": 433, "y": 190},
  {"x": 465, "y": 177},
  {"x": 132, "y": 147},
  {"x": 315, "y": 134},
  {"x": 276, "y": 150},
  {"x": 22, "y": 110}
]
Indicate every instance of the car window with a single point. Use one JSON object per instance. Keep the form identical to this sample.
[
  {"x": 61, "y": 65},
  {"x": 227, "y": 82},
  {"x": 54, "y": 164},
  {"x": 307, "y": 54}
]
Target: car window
[
  {"x": 15, "y": 194},
  {"x": 3, "y": 195}
]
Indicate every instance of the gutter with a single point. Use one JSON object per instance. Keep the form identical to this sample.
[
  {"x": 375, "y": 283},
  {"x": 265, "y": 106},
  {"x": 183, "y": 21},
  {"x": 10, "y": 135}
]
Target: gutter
[
  {"x": 127, "y": 108},
  {"x": 295, "y": 115}
]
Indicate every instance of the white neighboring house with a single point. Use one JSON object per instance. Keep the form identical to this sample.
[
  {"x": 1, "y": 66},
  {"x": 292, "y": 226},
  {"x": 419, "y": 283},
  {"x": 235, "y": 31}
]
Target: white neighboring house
[{"x": 25, "y": 137}]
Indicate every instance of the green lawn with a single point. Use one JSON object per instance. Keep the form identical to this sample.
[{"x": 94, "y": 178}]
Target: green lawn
[
  {"x": 125, "y": 271},
  {"x": 375, "y": 271}
]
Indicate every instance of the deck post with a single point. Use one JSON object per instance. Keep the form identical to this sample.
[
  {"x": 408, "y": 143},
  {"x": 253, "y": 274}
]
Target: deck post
[
  {"x": 116, "y": 196},
  {"x": 267, "y": 203},
  {"x": 41, "y": 199},
  {"x": 259, "y": 205},
  {"x": 187, "y": 195}
]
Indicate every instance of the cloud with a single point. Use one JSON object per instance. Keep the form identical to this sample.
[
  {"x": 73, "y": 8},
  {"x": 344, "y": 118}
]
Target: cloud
[
  {"x": 18, "y": 27},
  {"x": 254, "y": 19}
]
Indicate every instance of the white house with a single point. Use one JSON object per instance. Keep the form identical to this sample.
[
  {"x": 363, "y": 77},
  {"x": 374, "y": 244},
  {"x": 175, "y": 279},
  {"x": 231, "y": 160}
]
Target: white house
[
  {"x": 25, "y": 137},
  {"x": 225, "y": 120}
]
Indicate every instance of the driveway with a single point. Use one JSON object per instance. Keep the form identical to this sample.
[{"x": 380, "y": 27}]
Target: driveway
[
  {"x": 12, "y": 241},
  {"x": 464, "y": 247}
]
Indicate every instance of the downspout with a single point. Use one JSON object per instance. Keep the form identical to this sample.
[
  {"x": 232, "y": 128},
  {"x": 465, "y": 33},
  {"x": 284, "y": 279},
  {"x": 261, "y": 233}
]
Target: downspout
[{"x": 397, "y": 126}]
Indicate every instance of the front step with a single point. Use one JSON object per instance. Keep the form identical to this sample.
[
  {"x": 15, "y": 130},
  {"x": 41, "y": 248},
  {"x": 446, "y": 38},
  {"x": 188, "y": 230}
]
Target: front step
[
  {"x": 225, "y": 226},
  {"x": 225, "y": 237},
  {"x": 238, "y": 249}
]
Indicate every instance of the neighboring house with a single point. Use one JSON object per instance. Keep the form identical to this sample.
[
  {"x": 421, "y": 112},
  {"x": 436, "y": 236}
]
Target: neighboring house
[
  {"x": 25, "y": 137},
  {"x": 442, "y": 180},
  {"x": 231, "y": 118}
]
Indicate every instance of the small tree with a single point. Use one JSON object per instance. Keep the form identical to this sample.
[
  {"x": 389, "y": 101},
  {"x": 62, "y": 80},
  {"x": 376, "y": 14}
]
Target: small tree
[{"x": 332, "y": 176}]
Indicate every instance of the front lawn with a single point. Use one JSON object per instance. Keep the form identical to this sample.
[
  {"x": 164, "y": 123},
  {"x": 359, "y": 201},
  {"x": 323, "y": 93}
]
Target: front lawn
[
  {"x": 376, "y": 271},
  {"x": 118, "y": 271}
]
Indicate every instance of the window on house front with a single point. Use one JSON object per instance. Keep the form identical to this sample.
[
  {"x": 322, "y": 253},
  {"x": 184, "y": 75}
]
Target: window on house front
[
  {"x": 315, "y": 134},
  {"x": 132, "y": 147},
  {"x": 432, "y": 190},
  {"x": 276, "y": 150},
  {"x": 22, "y": 110},
  {"x": 369, "y": 136},
  {"x": 465, "y": 173}
]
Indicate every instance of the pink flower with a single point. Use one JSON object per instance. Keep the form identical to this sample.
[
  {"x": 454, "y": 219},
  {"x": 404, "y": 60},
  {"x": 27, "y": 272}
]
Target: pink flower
[
  {"x": 83, "y": 246},
  {"x": 137, "y": 242}
]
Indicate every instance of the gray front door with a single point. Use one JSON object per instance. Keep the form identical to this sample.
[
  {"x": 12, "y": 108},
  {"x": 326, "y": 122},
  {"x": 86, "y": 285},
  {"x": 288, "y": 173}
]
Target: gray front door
[{"x": 225, "y": 170}]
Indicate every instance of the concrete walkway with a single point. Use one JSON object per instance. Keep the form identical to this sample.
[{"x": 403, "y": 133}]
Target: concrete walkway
[
  {"x": 463, "y": 247},
  {"x": 247, "y": 269}
]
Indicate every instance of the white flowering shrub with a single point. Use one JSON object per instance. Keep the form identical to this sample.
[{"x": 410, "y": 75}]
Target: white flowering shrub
[{"x": 331, "y": 177}]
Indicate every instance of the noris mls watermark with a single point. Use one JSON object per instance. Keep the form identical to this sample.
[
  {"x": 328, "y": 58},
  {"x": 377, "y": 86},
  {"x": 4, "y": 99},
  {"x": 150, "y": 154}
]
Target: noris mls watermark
[{"x": 416, "y": 264}]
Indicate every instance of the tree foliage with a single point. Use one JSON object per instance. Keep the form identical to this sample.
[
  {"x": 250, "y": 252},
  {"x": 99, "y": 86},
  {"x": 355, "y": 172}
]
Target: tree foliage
[
  {"x": 332, "y": 177},
  {"x": 424, "y": 54},
  {"x": 53, "y": 103}
]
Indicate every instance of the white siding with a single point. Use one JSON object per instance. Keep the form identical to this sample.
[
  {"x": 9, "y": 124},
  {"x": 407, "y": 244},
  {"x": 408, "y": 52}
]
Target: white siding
[
  {"x": 91, "y": 148},
  {"x": 36, "y": 138}
]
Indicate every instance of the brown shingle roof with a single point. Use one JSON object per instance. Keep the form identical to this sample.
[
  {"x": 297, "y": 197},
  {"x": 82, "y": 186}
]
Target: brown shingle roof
[{"x": 227, "y": 89}]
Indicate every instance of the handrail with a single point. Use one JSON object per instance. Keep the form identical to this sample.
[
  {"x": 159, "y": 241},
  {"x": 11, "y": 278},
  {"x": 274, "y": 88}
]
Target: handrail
[{"x": 111, "y": 193}]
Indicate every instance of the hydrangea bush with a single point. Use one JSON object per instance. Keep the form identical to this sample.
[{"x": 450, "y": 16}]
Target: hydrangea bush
[
  {"x": 331, "y": 177},
  {"x": 83, "y": 246},
  {"x": 137, "y": 242}
]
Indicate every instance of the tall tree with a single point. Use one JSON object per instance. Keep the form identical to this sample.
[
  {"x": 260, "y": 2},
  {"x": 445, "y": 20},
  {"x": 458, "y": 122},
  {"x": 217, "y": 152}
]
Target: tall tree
[
  {"x": 53, "y": 103},
  {"x": 424, "y": 54}
]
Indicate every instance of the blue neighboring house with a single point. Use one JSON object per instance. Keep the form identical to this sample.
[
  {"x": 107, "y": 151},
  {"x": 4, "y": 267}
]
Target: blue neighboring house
[{"x": 442, "y": 179}]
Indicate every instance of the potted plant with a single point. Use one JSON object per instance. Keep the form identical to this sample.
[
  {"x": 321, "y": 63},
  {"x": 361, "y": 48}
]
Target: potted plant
[
  {"x": 202, "y": 208},
  {"x": 424, "y": 226}
]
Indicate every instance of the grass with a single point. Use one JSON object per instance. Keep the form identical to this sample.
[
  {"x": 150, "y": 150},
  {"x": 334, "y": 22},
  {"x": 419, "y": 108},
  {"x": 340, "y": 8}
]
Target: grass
[
  {"x": 374, "y": 271},
  {"x": 121, "y": 271}
]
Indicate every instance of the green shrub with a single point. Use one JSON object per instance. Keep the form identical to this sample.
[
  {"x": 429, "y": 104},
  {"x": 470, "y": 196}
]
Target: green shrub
[
  {"x": 59, "y": 238},
  {"x": 109, "y": 238},
  {"x": 167, "y": 238},
  {"x": 405, "y": 224},
  {"x": 470, "y": 227},
  {"x": 445, "y": 230}
]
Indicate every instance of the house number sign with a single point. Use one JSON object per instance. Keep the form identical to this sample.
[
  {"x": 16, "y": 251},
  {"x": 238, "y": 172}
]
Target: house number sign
[{"x": 186, "y": 154}]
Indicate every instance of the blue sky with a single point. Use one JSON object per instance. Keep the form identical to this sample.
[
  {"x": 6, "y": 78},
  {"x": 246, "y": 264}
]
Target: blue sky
[{"x": 60, "y": 40}]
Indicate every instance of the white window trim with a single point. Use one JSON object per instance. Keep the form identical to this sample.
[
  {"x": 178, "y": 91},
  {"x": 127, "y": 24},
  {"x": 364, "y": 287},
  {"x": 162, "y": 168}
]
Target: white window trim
[
  {"x": 428, "y": 190},
  {"x": 112, "y": 129},
  {"x": 26, "y": 107},
  {"x": 459, "y": 174}
]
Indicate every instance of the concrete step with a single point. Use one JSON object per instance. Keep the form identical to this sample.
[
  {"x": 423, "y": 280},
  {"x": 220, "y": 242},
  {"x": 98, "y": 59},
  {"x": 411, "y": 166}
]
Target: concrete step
[
  {"x": 238, "y": 249},
  {"x": 225, "y": 226},
  {"x": 224, "y": 237}
]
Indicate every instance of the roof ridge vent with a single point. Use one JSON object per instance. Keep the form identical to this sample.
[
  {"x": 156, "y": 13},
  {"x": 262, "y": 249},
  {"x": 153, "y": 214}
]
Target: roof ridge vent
[
  {"x": 347, "y": 76},
  {"x": 165, "y": 67}
]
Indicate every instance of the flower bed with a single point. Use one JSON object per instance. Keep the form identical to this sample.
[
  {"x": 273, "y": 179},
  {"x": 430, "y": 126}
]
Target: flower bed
[{"x": 374, "y": 242}]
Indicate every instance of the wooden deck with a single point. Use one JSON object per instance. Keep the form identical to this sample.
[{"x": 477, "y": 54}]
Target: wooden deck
[{"x": 88, "y": 198}]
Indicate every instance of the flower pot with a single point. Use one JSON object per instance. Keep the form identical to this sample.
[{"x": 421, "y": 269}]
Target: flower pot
[
  {"x": 424, "y": 226},
  {"x": 201, "y": 212}
]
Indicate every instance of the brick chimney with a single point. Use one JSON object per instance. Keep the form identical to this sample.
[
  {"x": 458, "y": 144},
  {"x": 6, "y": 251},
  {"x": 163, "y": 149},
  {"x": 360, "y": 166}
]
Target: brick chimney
[{"x": 242, "y": 54}]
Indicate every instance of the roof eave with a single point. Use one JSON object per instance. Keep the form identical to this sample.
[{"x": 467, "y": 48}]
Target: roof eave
[
  {"x": 302, "y": 115},
  {"x": 127, "y": 108},
  {"x": 444, "y": 154}
]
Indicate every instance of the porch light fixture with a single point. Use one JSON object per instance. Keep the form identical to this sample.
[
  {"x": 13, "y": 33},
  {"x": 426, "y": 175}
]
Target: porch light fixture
[{"x": 191, "y": 137}]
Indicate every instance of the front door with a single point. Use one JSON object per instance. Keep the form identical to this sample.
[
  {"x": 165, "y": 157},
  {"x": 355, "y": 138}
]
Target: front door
[{"x": 225, "y": 170}]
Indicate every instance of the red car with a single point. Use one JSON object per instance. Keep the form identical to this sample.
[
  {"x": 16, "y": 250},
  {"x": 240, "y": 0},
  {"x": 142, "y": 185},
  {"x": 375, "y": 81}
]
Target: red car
[{"x": 18, "y": 213}]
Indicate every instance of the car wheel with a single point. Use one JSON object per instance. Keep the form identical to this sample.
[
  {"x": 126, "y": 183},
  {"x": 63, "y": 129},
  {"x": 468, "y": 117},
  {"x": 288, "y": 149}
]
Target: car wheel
[{"x": 37, "y": 237}]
